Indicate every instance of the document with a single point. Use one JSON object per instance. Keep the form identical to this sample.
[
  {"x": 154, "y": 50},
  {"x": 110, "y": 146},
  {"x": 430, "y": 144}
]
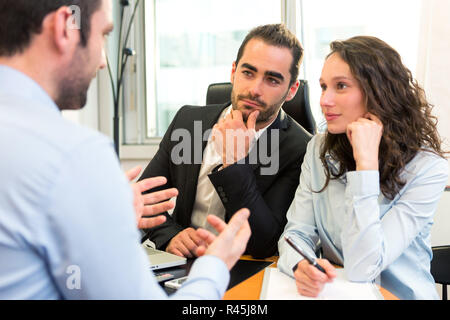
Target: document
[{"x": 279, "y": 286}]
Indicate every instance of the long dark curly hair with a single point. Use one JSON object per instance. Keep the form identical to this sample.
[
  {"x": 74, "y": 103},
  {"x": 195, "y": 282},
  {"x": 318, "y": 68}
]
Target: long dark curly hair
[{"x": 391, "y": 94}]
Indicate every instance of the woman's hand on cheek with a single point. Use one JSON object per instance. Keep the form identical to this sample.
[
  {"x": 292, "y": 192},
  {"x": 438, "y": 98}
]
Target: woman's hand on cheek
[{"x": 365, "y": 136}]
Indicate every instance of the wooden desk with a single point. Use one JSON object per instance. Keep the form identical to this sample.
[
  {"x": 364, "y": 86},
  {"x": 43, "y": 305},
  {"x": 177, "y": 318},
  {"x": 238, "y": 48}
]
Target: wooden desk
[{"x": 250, "y": 289}]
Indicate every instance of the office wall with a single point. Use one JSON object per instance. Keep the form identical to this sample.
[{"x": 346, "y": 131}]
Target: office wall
[{"x": 433, "y": 65}]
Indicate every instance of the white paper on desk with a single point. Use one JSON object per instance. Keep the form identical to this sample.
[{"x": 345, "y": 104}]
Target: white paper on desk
[{"x": 279, "y": 286}]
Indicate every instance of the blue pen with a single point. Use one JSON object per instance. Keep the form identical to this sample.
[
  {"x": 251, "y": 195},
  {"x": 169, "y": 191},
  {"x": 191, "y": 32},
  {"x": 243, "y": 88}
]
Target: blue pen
[{"x": 304, "y": 254}]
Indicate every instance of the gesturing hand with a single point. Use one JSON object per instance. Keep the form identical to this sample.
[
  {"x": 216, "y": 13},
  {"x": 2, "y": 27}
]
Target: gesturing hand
[
  {"x": 150, "y": 204},
  {"x": 233, "y": 138},
  {"x": 365, "y": 136},
  {"x": 230, "y": 244}
]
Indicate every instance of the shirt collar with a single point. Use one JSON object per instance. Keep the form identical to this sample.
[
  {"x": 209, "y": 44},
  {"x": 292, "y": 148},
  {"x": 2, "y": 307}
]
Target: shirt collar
[{"x": 14, "y": 83}]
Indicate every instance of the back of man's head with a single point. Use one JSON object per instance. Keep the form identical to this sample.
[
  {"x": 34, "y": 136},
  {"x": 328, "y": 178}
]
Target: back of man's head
[
  {"x": 21, "y": 19},
  {"x": 280, "y": 36}
]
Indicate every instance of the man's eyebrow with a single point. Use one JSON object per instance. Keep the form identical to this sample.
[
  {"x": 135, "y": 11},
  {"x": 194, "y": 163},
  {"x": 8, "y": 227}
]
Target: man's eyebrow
[
  {"x": 275, "y": 75},
  {"x": 267, "y": 73},
  {"x": 249, "y": 66}
]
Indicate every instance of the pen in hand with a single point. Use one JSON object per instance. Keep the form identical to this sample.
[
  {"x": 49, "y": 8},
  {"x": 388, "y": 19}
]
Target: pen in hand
[{"x": 304, "y": 254}]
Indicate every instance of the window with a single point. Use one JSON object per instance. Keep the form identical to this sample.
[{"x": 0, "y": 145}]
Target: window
[
  {"x": 191, "y": 44},
  {"x": 323, "y": 21}
]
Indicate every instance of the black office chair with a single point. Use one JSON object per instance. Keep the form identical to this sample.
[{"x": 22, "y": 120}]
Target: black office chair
[
  {"x": 298, "y": 108},
  {"x": 440, "y": 267}
]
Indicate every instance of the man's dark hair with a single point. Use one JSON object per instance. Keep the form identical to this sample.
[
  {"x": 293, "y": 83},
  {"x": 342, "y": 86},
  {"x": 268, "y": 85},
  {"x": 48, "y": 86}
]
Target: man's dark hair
[
  {"x": 280, "y": 36},
  {"x": 21, "y": 19}
]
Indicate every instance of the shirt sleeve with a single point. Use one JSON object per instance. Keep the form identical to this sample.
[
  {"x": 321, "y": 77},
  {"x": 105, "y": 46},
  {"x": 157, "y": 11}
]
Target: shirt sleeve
[
  {"x": 372, "y": 241},
  {"x": 94, "y": 251},
  {"x": 208, "y": 280},
  {"x": 301, "y": 223}
]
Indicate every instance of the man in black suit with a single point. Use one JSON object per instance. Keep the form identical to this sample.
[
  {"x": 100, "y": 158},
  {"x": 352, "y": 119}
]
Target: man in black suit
[{"x": 245, "y": 155}]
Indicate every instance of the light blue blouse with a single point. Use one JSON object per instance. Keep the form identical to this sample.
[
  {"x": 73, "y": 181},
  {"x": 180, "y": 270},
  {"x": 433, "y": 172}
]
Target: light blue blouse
[{"x": 374, "y": 238}]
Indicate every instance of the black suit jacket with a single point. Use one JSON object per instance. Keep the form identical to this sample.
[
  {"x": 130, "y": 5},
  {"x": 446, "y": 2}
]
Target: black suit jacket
[{"x": 239, "y": 186}]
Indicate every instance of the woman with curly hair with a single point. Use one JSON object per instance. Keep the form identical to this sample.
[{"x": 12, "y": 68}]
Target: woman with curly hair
[{"x": 370, "y": 185}]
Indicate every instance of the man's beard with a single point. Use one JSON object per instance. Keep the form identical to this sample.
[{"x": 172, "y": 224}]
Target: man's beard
[
  {"x": 72, "y": 93},
  {"x": 74, "y": 84},
  {"x": 266, "y": 112}
]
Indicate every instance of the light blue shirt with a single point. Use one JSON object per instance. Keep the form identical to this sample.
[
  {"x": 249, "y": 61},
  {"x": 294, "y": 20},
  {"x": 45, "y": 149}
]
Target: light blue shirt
[
  {"x": 374, "y": 238},
  {"x": 67, "y": 227}
]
